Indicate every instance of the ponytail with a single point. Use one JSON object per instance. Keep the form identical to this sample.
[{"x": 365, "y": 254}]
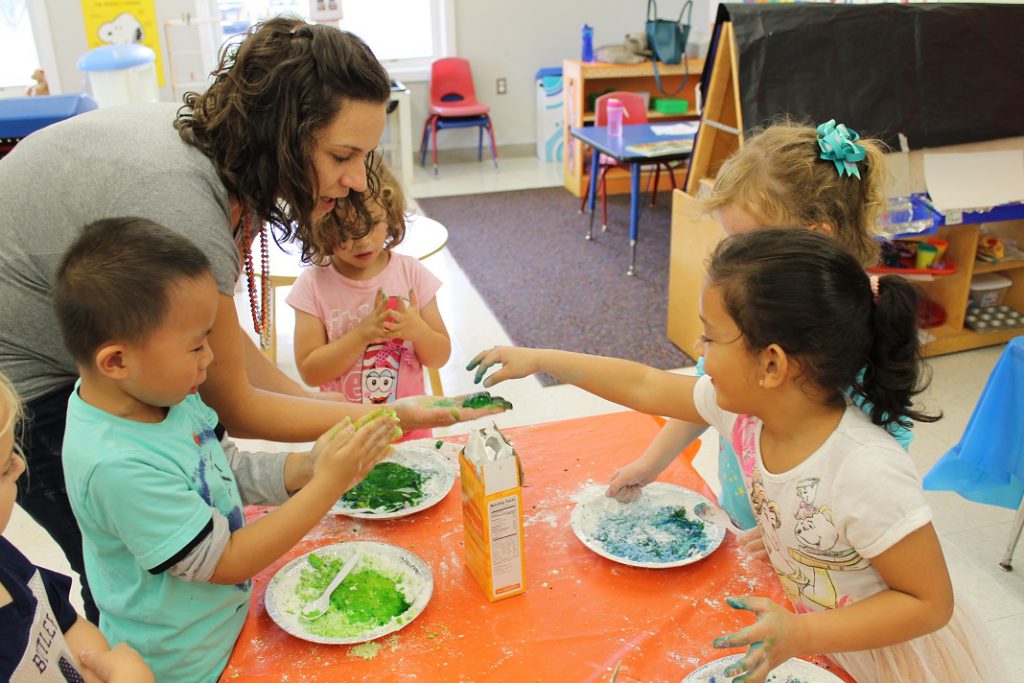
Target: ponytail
[{"x": 894, "y": 372}]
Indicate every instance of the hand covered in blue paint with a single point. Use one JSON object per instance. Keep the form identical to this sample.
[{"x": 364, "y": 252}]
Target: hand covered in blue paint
[
  {"x": 773, "y": 638},
  {"x": 515, "y": 363}
]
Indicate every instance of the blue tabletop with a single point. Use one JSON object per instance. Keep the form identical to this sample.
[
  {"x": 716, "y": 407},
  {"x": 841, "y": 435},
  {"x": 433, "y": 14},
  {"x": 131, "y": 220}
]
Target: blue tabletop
[
  {"x": 20, "y": 116},
  {"x": 635, "y": 134}
]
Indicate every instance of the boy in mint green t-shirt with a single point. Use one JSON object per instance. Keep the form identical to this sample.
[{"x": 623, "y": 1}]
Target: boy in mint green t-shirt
[{"x": 155, "y": 485}]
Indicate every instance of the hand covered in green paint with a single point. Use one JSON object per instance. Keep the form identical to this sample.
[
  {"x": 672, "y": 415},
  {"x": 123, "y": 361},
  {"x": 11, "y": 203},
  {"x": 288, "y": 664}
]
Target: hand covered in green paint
[
  {"x": 752, "y": 542},
  {"x": 628, "y": 482},
  {"x": 773, "y": 638},
  {"x": 404, "y": 320},
  {"x": 515, "y": 363},
  {"x": 426, "y": 412},
  {"x": 346, "y": 455}
]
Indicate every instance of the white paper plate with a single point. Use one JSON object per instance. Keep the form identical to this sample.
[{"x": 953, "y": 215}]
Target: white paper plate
[
  {"x": 438, "y": 474},
  {"x": 635, "y": 528},
  {"x": 413, "y": 576},
  {"x": 790, "y": 671}
]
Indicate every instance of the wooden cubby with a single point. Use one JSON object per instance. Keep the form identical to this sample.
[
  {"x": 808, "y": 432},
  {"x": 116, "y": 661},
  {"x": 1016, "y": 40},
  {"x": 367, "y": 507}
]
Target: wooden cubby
[{"x": 582, "y": 80}]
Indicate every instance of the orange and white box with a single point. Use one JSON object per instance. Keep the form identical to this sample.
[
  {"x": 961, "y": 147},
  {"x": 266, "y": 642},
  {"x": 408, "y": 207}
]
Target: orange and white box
[{"x": 492, "y": 513}]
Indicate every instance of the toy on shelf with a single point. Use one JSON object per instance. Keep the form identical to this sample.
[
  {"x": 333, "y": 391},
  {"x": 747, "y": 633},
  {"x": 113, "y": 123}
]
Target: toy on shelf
[
  {"x": 924, "y": 257},
  {"x": 40, "y": 87}
]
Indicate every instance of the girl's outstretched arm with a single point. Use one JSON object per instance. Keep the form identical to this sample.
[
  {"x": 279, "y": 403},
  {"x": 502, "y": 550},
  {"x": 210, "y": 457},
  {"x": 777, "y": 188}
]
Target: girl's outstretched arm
[
  {"x": 919, "y": 600},
  {"x": 633, "y": 385}
]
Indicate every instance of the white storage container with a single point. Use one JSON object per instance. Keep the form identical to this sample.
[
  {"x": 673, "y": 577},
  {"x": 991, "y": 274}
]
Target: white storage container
[
  {"x": 989, "y": 289},
  {"x": 121, "y": 74},
  {"x": 550, "y": 142}
]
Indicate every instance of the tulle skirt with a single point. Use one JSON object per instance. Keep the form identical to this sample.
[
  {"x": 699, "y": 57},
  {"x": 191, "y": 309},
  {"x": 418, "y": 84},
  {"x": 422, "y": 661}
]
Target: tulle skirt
[{"x": 959, "y": 652}]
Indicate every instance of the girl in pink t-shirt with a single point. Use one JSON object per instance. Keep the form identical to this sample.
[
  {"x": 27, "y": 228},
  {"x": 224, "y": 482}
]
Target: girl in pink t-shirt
[{"x": 366, "y": 320}]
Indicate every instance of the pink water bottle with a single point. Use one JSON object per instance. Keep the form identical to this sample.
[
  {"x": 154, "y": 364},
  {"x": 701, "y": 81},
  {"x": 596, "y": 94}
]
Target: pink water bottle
[{"x": 615, "y": 111}]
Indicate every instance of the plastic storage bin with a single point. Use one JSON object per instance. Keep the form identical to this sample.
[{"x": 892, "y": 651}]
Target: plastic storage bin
[
  {"x": 121, "y": 74},
  {"x": 550, "y": 142},
  {"x": 988, "y": 289}
]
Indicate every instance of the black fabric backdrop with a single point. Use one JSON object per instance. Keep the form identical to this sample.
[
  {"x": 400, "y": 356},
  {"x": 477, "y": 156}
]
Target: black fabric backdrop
[{"x": 941, "y": 74}]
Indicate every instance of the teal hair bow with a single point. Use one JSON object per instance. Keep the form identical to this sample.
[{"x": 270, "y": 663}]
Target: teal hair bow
[{"x": 839, "y": 145}]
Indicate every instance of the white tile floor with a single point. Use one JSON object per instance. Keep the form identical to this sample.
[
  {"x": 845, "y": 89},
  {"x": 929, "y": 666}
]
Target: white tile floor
[{"x": 973, "y": 535}]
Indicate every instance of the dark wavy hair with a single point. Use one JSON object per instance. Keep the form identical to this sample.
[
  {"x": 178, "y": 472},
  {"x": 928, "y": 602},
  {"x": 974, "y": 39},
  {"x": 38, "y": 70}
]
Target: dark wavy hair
[
  {"x": 130, "y": 260},
  {"x": 270, "y": 95},
  {"x": 803, "y": 291}
]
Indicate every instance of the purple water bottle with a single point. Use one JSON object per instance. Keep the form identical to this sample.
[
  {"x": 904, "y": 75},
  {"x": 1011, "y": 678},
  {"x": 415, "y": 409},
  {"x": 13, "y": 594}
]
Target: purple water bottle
[{"x": 588, "y": 43}]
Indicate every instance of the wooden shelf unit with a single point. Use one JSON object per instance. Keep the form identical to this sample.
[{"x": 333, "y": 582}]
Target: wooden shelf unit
[
  {"x": 694, "y": 236},
  {"x": 582, "y": 80}
]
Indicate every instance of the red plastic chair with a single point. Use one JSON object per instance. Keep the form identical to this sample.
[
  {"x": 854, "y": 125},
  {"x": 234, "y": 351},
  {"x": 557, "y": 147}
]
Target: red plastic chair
[
  {"x": 453, "y": 104},
  {"x": 635, "y": 112}
]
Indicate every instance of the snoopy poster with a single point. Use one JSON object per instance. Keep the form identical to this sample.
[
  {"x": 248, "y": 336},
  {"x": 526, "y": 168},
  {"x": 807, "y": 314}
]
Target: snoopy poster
[{"x": 118, "y": 22}]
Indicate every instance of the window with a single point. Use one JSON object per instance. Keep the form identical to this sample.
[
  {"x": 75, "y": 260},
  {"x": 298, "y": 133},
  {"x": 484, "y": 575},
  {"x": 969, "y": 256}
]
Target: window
[
  {"x": 406, "y": 48},
  {"x": 24, "y": 47}
]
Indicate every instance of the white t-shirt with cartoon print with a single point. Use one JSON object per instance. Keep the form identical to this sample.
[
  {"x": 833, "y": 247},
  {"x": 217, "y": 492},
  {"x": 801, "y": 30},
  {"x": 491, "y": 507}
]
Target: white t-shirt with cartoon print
[{"x": 851, "y": 500}]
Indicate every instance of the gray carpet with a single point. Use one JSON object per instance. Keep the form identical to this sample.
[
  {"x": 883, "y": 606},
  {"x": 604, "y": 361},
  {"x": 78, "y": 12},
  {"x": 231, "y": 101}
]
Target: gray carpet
[{"x": 548, "y": 287}]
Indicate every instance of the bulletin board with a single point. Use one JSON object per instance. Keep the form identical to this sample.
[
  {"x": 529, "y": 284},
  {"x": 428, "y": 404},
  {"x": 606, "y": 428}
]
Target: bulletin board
[
  {"x": 118, "y": 22},
  {"x": 941, "y": 74}
]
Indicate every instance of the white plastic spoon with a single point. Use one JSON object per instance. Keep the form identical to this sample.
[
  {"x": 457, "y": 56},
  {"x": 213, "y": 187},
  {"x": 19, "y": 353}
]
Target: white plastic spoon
[{"x": 319, "y": 607}]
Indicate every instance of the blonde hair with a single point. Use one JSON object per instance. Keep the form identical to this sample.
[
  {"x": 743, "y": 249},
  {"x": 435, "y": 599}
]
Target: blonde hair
[
  {"x": 345, "y": 223},
  {"x": 9, "y": 402},
  {"x": 778, "y": 177}
]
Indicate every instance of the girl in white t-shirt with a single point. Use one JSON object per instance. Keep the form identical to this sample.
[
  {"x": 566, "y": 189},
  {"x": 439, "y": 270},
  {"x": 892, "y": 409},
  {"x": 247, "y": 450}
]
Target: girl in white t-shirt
[
  {"x": 366, "y": 320},
  {"x": 790, "y": 320}
]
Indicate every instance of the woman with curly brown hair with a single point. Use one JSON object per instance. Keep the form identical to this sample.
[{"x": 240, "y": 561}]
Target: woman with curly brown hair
[{"x": 282, "y": 138}]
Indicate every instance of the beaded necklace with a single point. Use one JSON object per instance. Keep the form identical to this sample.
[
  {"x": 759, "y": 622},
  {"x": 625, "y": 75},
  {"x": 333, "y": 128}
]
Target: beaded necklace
[{"x": 261, "y": 310}]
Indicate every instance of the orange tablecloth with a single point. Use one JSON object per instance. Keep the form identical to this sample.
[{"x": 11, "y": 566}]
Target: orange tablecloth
[{"x": 581, "y": 614}]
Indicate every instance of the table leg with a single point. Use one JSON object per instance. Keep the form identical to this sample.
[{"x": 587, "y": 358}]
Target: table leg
[
  {"x": 1006, "y": 564},
  {"x": 594, "y": 159},
  {"x": 634, "y": 214}
]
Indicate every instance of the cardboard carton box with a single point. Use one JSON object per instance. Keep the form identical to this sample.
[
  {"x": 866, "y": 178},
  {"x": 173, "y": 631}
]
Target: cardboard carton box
[{"x": 492, "y": 513}]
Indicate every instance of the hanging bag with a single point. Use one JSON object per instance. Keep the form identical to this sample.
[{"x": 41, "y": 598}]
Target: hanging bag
[{"x": 667, "y": 40}]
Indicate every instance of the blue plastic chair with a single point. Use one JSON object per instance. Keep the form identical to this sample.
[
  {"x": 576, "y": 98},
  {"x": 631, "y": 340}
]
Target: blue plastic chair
[{"x": 987, "y": 466}]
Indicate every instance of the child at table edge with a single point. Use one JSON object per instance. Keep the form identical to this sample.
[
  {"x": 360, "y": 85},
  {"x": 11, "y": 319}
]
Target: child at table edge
[
  {"x": 366, "y": 317},
  {"x": 790, "y": 322},
  {"x": 155, "y": 485}
]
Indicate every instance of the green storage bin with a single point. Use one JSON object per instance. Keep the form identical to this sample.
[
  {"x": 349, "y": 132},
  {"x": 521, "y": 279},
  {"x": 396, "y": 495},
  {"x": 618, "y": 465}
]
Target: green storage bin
[{"x": 668, "y": 105}]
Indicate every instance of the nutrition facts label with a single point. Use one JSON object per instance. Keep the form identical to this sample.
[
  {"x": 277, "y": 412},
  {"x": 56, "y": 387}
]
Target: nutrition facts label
[{"x": 506, "y": 564}]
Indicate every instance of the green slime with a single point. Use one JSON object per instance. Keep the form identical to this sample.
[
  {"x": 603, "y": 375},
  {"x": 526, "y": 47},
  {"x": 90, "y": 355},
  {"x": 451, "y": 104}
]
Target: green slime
[
  {"x": 388, "y": 486},
  {"x": 483, "y": 399},
  {"x": 365, "y": 600}
]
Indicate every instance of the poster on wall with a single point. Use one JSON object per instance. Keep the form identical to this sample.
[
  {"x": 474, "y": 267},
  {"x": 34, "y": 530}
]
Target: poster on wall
[{"x": 118, "y": 22}]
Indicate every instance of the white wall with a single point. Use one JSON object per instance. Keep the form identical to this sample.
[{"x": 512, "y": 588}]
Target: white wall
[{"x": 513, "y": 40}]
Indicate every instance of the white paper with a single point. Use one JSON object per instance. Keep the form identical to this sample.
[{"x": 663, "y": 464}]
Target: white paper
[
  {"x": 680, "y": 128},
  {"x": 974, "y": 180}
]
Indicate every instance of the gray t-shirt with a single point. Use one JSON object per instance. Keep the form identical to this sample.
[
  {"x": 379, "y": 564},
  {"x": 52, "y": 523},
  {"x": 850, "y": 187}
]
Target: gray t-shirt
[{"x": 121, "y": 161}]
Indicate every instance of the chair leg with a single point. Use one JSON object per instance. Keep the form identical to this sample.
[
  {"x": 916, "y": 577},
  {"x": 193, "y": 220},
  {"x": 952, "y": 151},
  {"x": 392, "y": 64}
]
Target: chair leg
[
  {"x": 494, "y": 146},
  {"x": 604, "y": 199},
  {"x": 671, "y": 175},
  {"x": 480, "y": 143},
  {"x": 423, "y": 140},
  {"x": 586, "y": 196},
  {"x": 654, "y": 190},
  {"x": 433, "y": 141}
]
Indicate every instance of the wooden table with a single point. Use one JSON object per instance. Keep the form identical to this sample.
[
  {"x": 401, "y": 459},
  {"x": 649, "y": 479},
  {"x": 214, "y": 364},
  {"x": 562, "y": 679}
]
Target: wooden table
[
  {"x": 424, "y": 237},
  {"x": 581, "y": 614}
]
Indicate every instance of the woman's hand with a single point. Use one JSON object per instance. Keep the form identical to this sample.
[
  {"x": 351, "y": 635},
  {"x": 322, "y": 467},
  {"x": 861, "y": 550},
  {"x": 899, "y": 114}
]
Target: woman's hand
[
  {"x": 628, "y": 482},
  {"x": 404, "y": 321},
  {"x": 121, "y": 664},
  {"x": 515, "y": 363},
  {"x": 752, "y": 542},
  {"x": 427, "y": 412},
  {"x": 773, "y": 638},
  {"x": 346, "y": 455}
]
